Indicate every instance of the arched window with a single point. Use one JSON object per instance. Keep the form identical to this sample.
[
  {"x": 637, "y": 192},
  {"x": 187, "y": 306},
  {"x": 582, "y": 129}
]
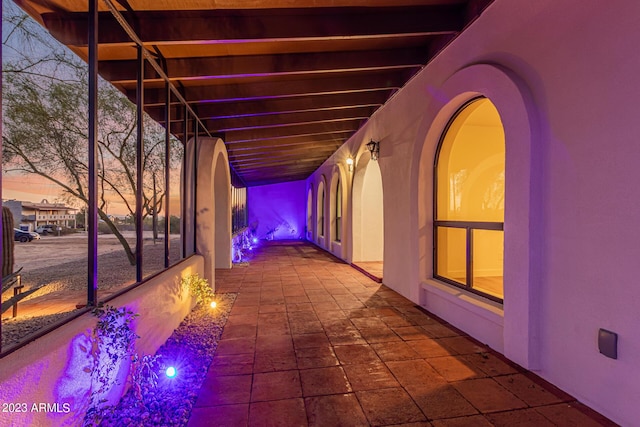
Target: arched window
[
  {"x": 320, "y": 210},
  {"x": 309, "y": 213},
  {"x": 338, "y": 211},
  {"x": 469, "y": 201}
]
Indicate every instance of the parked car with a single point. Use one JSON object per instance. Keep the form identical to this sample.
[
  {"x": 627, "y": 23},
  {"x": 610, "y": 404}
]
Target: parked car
[
  {"x": 46, "y": 229},
  {"x": 22, "y": 236},
  {"x": 35, "y": 235}
]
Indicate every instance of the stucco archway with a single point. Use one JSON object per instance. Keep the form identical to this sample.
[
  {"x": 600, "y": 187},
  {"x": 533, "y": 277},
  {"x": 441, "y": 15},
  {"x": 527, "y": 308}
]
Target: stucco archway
[
  {"x": 211, "y": 209},
  {"x": 368, "y": 212},
  {"x": 514, "y": 331}
]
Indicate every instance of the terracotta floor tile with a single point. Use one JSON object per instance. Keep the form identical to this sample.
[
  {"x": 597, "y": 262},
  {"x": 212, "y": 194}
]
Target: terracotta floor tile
[
  {"x": 566, "y": 415},
  {"x": 233, "y": 364},
  {"x": 274, "y": 361},
  {"x": 302, "y": 316},
  {"x": 306, "y": 327},
  {"x": 330, "y": 315},
  {"x": 276, "y": 386},
  {"x": 243, "y": 319},
  {"x": 440, "y": 400},
  {"x": 225, "y": 390},
  {"x": 429, "y": 348},
  {"x": 236, "y": 346},
  {"x": 471, "y": 421},
  {"x": 455, "y": 368},
  {"x": 362, "y": 312},
  {"x": 415, "y": 372},
  {"x": 292, "y": 308},
  {"x": 368, "y": 323},
  {"x": 370, "y": 376},
  {"x": 338, "y": 410},
  {"x": 310, "y": 340},
  {"x": 490, "y": 364},
  {"x": 296, "y": 299},
  {"x": 327, "y": 305},
  {"x": 220, "y": 416},
  {"x": 411, "y": 333},
  {"x": 390, "y": 351},
  {"x": 278, "y": 413},
  {"x": 316, "y": 357},
  {"x": 375, "y": 335},
  {"x": 462, "y": 345},
  {"x": 273, "y": 308},
  {"x": 347, "y": 338},
  {"x": 389, "y": 406},
  {"x": 488, "y": 396},
  {"x": 325, "y": 298},
  {"x": 356, "y": 354},
  {"x": 272, "y": 344},
  {"x": 439, "y": 331},
  {"x": 525, "y": 417},
  {"x": 239, "y": 331},
  {"x": 528, "y": 391},
  {"x": 322, "y": 381}
]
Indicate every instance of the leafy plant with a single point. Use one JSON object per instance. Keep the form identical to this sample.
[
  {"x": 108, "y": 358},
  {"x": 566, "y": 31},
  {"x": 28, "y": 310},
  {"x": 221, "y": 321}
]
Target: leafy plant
[
  {"x": 144, "y": 375},
  {"x": 113, "y": 341},
  {"x": 199, "y": 288}
]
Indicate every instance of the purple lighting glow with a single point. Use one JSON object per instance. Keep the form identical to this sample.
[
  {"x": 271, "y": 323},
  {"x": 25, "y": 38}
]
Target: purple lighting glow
[{"x": 171, "y": 372}]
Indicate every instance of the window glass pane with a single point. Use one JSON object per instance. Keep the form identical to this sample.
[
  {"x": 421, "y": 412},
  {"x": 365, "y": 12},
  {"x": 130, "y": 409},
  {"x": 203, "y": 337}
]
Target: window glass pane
[
  {"x": 175, "y": 198},
  {"x": 470, "y": 168},
  {"x": 338, "y": 211},
  {"x": 488, "y": 251},
  {"x": 116, "y": 192},
  {"x": 153, "y": 197},
  {"x": 44, "y": 179},
  {"x": 452, "y": 249}
]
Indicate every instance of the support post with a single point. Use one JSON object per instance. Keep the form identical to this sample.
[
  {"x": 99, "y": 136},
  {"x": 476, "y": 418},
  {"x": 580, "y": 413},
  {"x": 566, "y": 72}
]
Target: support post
[
  {"x": 167, "y": 174},
  {"x": 91, "y": 216},
  {"x": 139, "y": 162}
]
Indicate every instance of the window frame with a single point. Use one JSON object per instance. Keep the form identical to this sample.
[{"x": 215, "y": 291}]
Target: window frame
[{"x": 469, "y": 226}]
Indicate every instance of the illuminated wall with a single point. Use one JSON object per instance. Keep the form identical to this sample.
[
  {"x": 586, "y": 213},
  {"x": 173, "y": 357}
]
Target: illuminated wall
[{"x": 277, "y": 211}]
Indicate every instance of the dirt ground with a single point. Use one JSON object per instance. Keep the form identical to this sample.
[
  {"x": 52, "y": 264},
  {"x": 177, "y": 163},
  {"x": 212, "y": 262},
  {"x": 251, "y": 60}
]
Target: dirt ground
[{"x": 50, "y": 251}]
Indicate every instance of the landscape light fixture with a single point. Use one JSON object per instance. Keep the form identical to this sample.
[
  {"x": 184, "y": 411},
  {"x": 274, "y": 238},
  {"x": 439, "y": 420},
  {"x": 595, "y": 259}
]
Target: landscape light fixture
[
  {"x": 350, "y": 163},
  {"x": 374, "y": 149},
  {"x": 171, "y": 372}
]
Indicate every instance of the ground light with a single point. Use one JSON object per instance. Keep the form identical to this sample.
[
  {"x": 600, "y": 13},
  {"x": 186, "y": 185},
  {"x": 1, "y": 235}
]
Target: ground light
[
  {"x": 171, "y": 372},
  {"x": 255, "y": 240},
  {"x": 213, "y": 304}
]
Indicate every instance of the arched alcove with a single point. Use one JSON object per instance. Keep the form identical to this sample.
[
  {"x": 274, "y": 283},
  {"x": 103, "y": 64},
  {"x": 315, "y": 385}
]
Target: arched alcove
[
  {"x": 211, "y": 209},
  {"x": 321, "y": 228},
  {"x": 368, "y": 212},
  {"x": 511, "y": 328},
  {"x": 338, "y": 212},
  {"x": 309, "y": 223},
  {"x": 222, "y": 209}
]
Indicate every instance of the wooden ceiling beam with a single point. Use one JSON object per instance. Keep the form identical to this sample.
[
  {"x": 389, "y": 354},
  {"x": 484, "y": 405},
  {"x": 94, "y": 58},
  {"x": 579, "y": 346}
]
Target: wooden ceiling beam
[
  {"x": 277, "y": 106},
  {"x": 120, "y": 72},
  {"x": 278, "y": 88},
  {"x": 311, "y": 140},
  {"x": 170, "y": 27},
  {"x": 294, "y": 130},
  {"x": 277, "y": 151}
]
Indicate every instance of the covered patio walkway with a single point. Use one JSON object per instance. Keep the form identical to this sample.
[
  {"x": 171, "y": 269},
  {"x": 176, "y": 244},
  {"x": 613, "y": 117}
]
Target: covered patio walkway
[{"x": 312, "y": 341}]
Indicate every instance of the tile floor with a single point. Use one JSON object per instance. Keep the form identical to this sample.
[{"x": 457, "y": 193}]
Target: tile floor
[{"x": 311, "y": 341}]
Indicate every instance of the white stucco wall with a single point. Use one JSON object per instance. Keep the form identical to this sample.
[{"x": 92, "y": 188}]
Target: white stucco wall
[
  {"x": 563, "y": 76},
  {"x": 51, "y": 369}
]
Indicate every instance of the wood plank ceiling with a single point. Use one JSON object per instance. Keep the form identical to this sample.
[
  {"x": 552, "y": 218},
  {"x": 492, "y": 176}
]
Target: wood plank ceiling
[{"x": 283, "y": 82}]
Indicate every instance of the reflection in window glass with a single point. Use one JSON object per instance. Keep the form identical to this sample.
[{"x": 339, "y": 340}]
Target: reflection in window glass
[
  {"x": 175, "y": 197},
  {"x": 239, "y": 218},
  {"x": 452, "y": 258},
  {"x": 154, "y": 194},
  {"x": 470, "y": 194},
  {"x": 488, "y": 254},
  {"x": 44, "y": 179},
  {"x": 338, "y": 211}
]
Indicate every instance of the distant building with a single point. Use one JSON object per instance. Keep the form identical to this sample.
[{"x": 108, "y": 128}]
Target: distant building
[{"x": 30, "y": 215}]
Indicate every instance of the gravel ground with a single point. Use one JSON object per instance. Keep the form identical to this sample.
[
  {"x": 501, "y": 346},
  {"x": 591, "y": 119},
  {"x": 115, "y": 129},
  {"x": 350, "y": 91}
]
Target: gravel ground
[{"x": 190, "y": 349}]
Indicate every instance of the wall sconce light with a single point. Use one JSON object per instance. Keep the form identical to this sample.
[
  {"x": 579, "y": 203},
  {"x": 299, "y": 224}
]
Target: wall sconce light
[
  {"x": 374, "y": 149},
  {"x": 350, "y": 164}
]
